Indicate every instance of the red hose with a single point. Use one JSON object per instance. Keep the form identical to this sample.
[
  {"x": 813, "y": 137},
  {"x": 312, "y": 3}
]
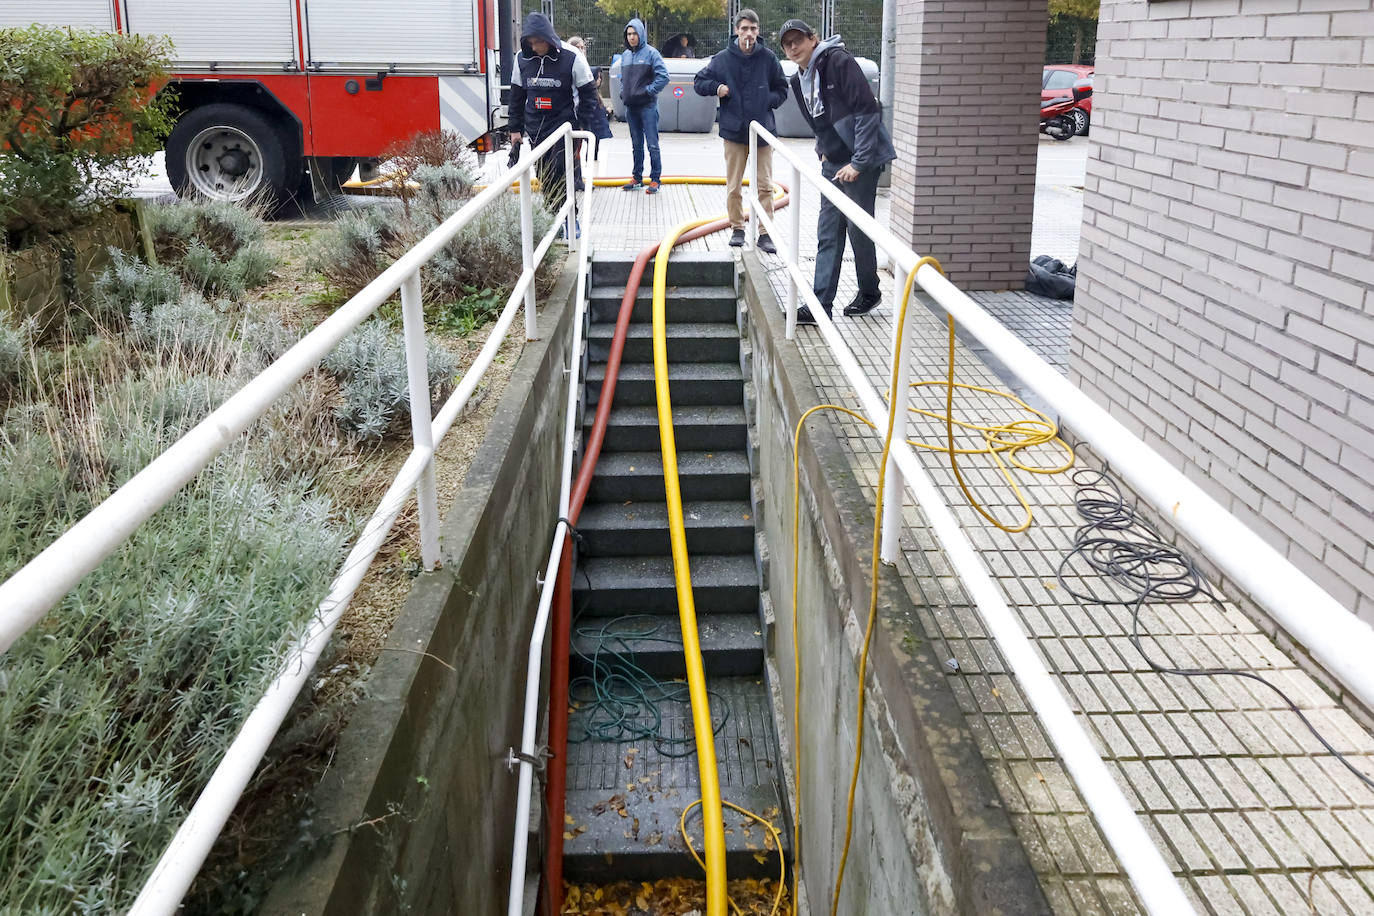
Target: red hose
[{"x": 555, "y": 786}]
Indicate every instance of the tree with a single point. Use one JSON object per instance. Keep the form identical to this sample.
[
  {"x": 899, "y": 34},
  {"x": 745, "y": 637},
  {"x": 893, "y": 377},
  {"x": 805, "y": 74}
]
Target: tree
[
  {"x": 1081, "y": 12},
  {"x": 655, "y": 12},
  {"x": 81, "y": 112}
]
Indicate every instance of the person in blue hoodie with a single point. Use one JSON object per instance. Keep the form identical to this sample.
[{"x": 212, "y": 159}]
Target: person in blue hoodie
[
  {"x": 748, "y": 80},
  {"x": 549, "y": 86},
  {"x": 643, "y": 75},
  {"x": 854, "y": 148}
]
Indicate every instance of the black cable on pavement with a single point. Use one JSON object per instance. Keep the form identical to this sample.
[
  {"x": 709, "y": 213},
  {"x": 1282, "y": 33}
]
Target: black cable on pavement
[{"x": 1129, "y": 552}]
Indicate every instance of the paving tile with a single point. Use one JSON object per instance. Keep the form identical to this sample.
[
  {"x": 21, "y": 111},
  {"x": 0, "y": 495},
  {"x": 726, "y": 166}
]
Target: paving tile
[
  {"x": 1252, "y": 896},
  {"x": 1287, "y": 850}
]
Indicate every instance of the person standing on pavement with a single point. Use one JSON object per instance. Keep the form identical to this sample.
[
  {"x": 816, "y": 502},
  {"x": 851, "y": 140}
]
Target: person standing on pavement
[
  {"x": 595, "y": 118},
  {"x": 748, "y": 80},
  {"x": 643, "y": 75},
  {"x": 548, "y": 87},
  {"x": 854, "y": 148}
]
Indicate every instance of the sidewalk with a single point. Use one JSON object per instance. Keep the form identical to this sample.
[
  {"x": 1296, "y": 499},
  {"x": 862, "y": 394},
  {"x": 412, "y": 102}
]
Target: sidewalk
[{"x": 1249, "y": 810}]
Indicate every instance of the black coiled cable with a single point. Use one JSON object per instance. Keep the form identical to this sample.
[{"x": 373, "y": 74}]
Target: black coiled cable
[{"x": 1128, "y": 552}]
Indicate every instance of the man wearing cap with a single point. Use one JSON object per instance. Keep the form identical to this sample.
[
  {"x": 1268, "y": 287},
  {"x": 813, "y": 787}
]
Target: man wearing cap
[
  {"x": 854, "y": 148},
  {"x": 748, "y": 80}
]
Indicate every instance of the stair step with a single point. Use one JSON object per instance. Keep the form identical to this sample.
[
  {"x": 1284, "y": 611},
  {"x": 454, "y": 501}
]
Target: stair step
[
  {"x": 704, "y": 268},
  {"x": 688, "y": 342},
  {"x": 612, "y": 586},
  {"x": 701, "y": 475},
  {"x": 625, "y": 796},
  {"x": 695, "y": 428},
  {"x": 693, "y": 304},
  {"x": 731, "y": 644},
  {"x": 688, "y": 383},
  {"x": 641, "y": 528}
]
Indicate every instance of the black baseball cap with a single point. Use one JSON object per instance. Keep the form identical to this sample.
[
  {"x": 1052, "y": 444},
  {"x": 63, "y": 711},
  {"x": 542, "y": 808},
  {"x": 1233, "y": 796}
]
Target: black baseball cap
[{"x": 795, "y": 25}]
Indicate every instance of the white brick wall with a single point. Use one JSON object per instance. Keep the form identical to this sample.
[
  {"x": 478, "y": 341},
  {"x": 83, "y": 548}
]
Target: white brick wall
[{"x": 1225, "y": 305}]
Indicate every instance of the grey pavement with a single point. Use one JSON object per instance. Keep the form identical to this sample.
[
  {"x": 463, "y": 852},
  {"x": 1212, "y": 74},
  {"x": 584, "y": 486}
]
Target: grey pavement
[{"x": 1249, "y": 811}]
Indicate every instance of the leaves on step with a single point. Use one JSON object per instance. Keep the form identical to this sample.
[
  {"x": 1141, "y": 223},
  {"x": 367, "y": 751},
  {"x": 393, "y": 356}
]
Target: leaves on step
[{"x": 668, "y": 897}]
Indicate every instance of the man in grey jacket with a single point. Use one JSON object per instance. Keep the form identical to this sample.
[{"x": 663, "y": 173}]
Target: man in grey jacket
[{"x": 854, "y": 148}]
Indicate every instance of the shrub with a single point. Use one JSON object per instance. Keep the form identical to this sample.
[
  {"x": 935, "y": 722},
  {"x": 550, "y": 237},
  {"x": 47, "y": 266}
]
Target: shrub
[
  {"x": 485, "y": 255},
  {"x": 129, "y": 284},
  {"x": 11, "y": 352},
  {"x": 371, "y": 367},
  {"x": 78, "y": 119},
  {"x": 218, "y": 247},
  {"x": 405, "y": 158},
  {"x": 115, "y": 710}
]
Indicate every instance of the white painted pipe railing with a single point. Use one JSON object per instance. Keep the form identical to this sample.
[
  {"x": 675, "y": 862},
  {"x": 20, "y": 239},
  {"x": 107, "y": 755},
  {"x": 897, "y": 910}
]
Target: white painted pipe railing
[
  {"x": 1154, "y": 882},
  {"x": 31, "y": 592},
  {"x": 535, "y": 662}
]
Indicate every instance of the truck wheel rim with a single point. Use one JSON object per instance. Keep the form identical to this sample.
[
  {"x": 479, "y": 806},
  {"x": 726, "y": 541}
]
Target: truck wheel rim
[{"x": 224, "y": 163}]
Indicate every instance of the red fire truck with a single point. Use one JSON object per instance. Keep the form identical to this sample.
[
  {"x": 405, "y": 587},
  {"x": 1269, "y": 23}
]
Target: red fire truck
[{"x": 267, "y": 86}]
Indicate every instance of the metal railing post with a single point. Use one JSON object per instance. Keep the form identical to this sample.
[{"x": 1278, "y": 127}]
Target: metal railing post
[
  {"x": 894, "y": 490},
  {"x": 417, "y": 368},
  {"x": 570, "y": 191},
  {"x": 794, "y": 211},
  {"x": 527, "y": 242},
  {"x": 751, "y": 172}
]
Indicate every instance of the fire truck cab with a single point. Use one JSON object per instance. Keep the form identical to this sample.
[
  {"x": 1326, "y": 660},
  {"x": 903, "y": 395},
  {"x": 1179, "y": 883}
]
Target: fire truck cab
[{"x": 267, "y": 86}]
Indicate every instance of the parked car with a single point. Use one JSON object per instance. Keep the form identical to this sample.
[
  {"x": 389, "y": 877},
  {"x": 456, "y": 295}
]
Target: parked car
[{"x": 1058, "y": 81}]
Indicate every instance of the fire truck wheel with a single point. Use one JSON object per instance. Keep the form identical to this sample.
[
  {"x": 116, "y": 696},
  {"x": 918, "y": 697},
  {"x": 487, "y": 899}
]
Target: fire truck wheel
[
  {"x": 229, "y": 152},
  {"x": 341, "y": 170}
]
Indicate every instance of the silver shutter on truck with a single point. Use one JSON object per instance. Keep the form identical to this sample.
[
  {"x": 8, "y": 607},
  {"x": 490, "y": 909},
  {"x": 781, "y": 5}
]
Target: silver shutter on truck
[
  {"x": 85, "y": 14},
  {"x": 405, "y": 35},
  {"x": 237, "y": 35}
]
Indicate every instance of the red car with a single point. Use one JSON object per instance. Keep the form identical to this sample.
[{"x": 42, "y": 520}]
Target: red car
[{"x": 1058, "y": 81}]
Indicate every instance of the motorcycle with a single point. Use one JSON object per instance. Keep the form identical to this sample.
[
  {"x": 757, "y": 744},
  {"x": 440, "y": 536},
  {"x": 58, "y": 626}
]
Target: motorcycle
[{"x": 1056, "y": 115}]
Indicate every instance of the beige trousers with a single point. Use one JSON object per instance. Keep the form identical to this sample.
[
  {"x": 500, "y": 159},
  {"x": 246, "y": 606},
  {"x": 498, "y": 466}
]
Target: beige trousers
[{"x": 736, "y": 158}]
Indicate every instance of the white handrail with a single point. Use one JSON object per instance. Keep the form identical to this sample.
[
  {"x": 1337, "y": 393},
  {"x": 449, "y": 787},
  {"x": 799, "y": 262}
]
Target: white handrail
[
  {"x": 534, "y": 663},
  {"x": 1154, "y": 882},
  {"x": 27, "y": 595}
]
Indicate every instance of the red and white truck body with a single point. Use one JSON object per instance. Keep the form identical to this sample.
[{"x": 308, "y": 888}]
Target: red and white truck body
[{"x": 336, "y": 80}]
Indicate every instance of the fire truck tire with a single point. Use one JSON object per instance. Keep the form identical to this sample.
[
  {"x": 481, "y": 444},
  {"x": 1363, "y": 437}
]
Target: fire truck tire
[
  {"x": 231, "y": 152},
  {"x": 341, "y": 170}
]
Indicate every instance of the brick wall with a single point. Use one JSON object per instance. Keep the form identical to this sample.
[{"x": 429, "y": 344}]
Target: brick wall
[
  {"x": 1224, "y": 308},
  {"x": 964, "y": 124}
]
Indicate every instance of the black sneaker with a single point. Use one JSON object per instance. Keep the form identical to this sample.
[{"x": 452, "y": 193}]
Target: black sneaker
[
  {"x": 862, "y": 305},
  {"x": 804, "y": 316},
  {"x": 737, "y": 239},
  {"x": 766, "y": 244},
  {"x": 633, "y": 185}
]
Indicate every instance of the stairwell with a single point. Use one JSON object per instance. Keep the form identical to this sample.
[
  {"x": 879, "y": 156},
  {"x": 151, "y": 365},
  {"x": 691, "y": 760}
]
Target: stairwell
[{"x": 632, "y": 766}]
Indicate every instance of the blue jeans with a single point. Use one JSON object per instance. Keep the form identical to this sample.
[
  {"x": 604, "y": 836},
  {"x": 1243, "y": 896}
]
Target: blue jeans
[
  {"x": 644, "y": 127},
  {"x": 831, "y": 228}
]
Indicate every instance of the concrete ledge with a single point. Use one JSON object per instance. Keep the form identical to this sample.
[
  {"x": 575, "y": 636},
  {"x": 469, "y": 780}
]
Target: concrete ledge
[
  {"x": 415, "y": 812},
  {"x": 930, "y": 835}
]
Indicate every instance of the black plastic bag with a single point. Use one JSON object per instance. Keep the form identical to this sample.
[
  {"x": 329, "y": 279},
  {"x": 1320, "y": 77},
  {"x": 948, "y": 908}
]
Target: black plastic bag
[{"x": 1049, "y": 277}]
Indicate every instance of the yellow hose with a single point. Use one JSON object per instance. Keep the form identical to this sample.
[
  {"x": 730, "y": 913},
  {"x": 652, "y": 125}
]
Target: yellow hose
[{"x": 712, "y": 818}]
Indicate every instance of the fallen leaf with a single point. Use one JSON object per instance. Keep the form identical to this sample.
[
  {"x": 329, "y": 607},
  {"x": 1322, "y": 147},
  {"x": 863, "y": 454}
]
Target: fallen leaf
[
  {"x": 760, "y": 858},
  {"x": 654, "y": 838},
  {"x": 568, "y": 818}
]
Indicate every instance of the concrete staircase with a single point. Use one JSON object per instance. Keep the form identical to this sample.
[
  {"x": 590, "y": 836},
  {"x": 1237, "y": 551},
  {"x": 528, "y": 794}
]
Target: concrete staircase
[{"x": 636, "y": 768}]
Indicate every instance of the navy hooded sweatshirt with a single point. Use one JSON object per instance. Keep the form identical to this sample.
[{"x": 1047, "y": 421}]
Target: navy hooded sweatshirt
[
  {"x": 757, "y": 86},
  {"x": 548, "y": 90},
  {"x": 643, "y": 75}
]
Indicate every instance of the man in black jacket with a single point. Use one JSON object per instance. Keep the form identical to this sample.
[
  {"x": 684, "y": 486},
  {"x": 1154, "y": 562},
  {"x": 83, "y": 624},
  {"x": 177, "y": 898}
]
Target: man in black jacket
[
  {"x": 854, "y": 148},
  {"x": 748, "y": 80},
  {"x": 549, "y": 86}
]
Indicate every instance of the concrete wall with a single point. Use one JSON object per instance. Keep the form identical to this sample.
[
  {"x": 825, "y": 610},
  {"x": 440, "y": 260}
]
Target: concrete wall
[
  {"x": 964, "y": 125},
  {"x": 930, "y": 834},
  {"x": 424, "y": 753},
  {"x": 1224, "y": 308}
]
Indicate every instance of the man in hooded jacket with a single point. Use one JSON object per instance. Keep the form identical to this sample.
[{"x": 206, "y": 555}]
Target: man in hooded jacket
[
  {"x": 854, "y": 148},
  {"x": 643, "y": 75},
  {"x": 549, "y": 86},
  {"x": 748, "y": 80}
]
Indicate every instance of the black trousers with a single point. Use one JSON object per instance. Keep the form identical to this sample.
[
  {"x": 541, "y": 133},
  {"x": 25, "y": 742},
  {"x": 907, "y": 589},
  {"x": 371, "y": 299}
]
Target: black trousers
[
  {"x": 552, "y": 175},
  {"x": 831, "y": 229}
]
